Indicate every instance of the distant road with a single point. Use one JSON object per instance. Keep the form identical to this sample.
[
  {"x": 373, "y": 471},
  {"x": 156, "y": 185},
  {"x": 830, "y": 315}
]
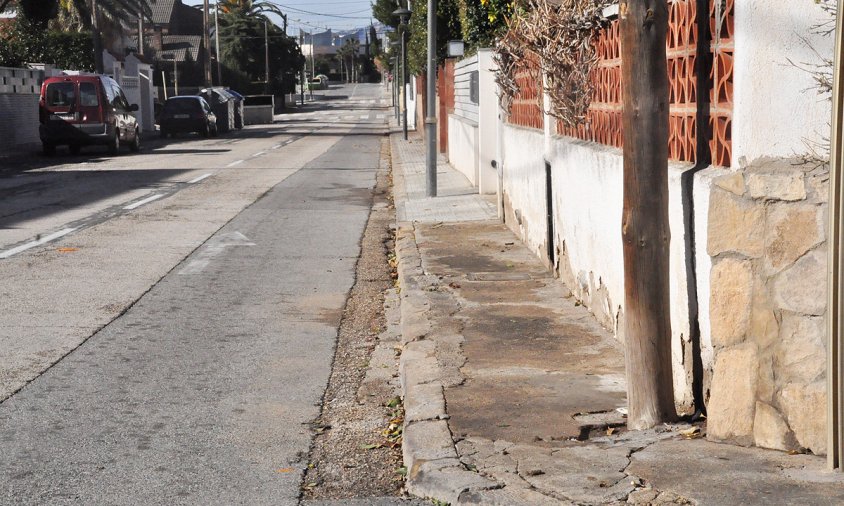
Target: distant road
[{"x": 168, "y": 319}]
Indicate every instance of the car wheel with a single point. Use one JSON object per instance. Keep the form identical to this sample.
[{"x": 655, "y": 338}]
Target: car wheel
[
  {"x": 162, "y": 133},
  {"x": 136, "y": 142},
  {"x": 49, "y": 148},
  {"x": 114, "y": 144},
  {"x": 206, "y": 131},
  {"x": 74, "y": 149},
  {"x": 214, "y": 131}
]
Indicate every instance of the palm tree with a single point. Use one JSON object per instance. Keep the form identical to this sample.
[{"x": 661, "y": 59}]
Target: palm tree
[
  {"x": 250, "y": 8},
  {"x": 89, "y": 13},
  {"x": 347, "y": 53}
]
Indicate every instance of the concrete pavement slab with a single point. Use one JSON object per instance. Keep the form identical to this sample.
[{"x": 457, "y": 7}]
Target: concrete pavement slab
[{"x": 534, "y": 387}]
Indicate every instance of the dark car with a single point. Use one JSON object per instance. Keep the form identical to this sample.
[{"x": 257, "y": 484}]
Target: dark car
[
  {"x": 185, "y": 114},
  {"x": 86, "y": 109}
]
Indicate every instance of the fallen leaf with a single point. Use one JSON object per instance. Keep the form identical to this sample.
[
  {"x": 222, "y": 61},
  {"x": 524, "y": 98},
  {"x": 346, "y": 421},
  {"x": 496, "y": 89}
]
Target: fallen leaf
[
  {"x": 454, "y": 285},
  {"x": 371, "y": 446},
  {"x": 67, "y": 250},
  {"x": 284, "y": 470},
  {"x": 610, "y": 431}
]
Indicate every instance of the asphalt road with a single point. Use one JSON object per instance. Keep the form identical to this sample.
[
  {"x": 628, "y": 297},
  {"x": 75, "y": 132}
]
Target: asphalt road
[{"x": 168, "y": 320}]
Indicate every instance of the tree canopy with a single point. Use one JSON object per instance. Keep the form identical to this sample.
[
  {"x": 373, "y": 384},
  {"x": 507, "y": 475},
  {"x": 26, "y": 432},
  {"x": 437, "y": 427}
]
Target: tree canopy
[{"x": 242, "y": 48}]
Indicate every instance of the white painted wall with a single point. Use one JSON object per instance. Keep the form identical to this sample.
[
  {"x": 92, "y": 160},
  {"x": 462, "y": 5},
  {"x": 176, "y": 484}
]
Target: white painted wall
[
  {"x": 411, "y": 104},
  {"x": 488, "y": 110},
  {"x": 524, "y": 185},
  {"x": 463, "y": 146},
  {"x": 19, "y": 91},
  {"x": 703, "y": 262},
  {"x": 587, "y": 181},
  {"x": 587, "y": 203},
  {"x": 463, "y": 135},
  {"x": 463, "y": 105},
  {"x": 775, "y": 106}
]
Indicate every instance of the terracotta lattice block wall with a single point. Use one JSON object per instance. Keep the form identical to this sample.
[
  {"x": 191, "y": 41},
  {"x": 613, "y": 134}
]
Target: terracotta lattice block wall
[
  {"x": 681, "y": 52},
  {"x": 721, "y": 16},
  {"x": 525, "y": 109},
  {"x": 604, "y": 124}
]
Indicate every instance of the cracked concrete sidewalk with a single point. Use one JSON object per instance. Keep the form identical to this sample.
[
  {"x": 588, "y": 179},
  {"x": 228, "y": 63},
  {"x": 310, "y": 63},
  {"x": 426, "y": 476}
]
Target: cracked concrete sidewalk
[{"x": 514, "y": 394}]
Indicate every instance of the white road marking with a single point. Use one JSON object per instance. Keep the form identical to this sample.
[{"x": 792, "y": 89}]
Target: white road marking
[
  {"x": 364, "y": 116},
  {"x": 237, "y": 162},
  {"x": 259, "y": 153},
  {"x": 198, "y": 179},
  {"x": 144, "y": 201},
  {"x": 37, "y": 242},
  {"x": 379, "y": 116},
  {"x": 214, "y": 247}
]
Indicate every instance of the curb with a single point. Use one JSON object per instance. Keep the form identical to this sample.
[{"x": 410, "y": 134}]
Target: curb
[{"x": 434, "y": 469}]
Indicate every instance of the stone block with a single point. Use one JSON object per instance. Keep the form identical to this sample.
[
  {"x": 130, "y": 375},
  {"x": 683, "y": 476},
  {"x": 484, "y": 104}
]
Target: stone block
[
  {"x": 802, "y": 287},
  {"x": 770, "y": 429},
  {"x": 804, "y": 407},
  {"x": 446, "y": 484},
  {"x": 733, "y": 183},
  {"x": 793, "y": 230},
  {"x": 735, "y": 225},
  {"x": 787, "y": 187},
  {"x": 800, "y": 354},
  {"x": 732, "y": 402},
  {"x": 731, "y": 288},
  {"x": 426, "y": 441},
  {"x": 764, "y": 327},
  {"x": 509, "y": 496},
  {"x": 767, "y": 385},
  {"x": 424, "y": 402}
]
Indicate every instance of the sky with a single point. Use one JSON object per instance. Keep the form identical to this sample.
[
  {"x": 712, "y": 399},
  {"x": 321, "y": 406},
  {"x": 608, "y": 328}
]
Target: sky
[{"x": 318, "y": 15}]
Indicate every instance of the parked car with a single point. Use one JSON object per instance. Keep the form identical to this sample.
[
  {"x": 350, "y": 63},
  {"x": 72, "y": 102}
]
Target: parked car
[
  {"x": 88, "y": 109},
  {"x": 185, "y": 114}
]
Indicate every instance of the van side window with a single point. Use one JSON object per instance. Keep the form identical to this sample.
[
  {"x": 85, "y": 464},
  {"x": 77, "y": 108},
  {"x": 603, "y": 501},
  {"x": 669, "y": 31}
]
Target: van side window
[
  {"x": 117, "y": 102},
  {"x": 88, "y": 95},
  {"x": 60, "y": 94},
  {"x": 124, "y": 102},
  {"x": 109, "y": 91}
]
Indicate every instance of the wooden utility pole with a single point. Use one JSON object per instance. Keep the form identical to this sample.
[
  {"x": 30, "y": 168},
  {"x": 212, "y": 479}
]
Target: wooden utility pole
[
  {"x": 206, "y": 57},
  {"x": 645, "y": 231}
]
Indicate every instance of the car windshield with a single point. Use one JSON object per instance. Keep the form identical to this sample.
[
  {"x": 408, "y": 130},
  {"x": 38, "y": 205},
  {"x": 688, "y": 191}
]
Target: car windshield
[
  {"x": 61, "y": 94},
  {"x": 176, "y": 106}
]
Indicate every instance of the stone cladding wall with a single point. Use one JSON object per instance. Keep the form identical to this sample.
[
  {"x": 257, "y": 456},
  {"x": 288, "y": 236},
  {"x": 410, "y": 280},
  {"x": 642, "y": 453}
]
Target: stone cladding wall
[{"x": 767, "y": 241}]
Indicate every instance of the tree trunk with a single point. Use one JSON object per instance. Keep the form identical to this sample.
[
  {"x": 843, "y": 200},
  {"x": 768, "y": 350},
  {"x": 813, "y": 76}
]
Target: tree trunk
[
  {"x": 645, "y": 230},
  {"x": 97, "y": 37}
]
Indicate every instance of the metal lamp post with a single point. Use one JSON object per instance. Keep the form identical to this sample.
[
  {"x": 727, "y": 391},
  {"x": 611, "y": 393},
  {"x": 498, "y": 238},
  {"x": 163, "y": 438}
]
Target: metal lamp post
[
  {"x": 431, "y": 110},
  {"x": 403, "y": 14},
  {"x": 395, "y": 46}
]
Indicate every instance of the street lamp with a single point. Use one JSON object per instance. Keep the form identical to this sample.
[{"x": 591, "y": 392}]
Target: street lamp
[
  {"x": 431, "y": 110},
  {"x": 395, "y": 47},
  {"x": 403, "y": 14}
]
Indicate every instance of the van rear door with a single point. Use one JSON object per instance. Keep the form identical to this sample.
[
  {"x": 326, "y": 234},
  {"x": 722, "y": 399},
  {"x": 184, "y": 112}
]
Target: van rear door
[
  {"x": 89, "y": 102},
  {"x": 60, "y": 101}
]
